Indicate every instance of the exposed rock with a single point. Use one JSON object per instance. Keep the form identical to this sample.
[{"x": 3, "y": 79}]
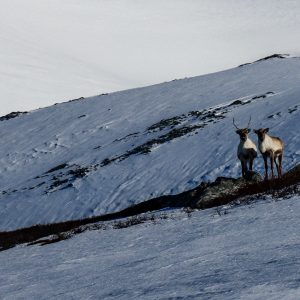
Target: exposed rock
[
  {"x": 274, "y": 56},
  {"x": 59, "y": 167},
  {"x": 12, "y": 115},
  {"x": 280, "y": 56},
  {"x": 253, "y": 176},
  {"x": 221, "y": 187},
  {"x": 295, "y": 171}
]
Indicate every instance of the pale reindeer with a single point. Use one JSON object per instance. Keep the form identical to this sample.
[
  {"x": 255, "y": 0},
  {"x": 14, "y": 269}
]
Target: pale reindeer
[
  {"x": 270, "y": 146},
  {"x": 247, "y": 150}
]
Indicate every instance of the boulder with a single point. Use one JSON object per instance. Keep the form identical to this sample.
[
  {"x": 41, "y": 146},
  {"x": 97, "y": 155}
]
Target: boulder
[
  {"x": 253, "y": 176},
  {"x": 295, "y": 171},
  {"x": 221, "y": 187}
]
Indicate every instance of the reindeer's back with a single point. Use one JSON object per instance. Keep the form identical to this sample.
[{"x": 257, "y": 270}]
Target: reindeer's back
[{"x": 278, "y": 143}]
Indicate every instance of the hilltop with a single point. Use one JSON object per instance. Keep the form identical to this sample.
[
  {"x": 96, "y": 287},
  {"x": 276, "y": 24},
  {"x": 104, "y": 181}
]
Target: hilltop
[{"x": 98, "y": 155}]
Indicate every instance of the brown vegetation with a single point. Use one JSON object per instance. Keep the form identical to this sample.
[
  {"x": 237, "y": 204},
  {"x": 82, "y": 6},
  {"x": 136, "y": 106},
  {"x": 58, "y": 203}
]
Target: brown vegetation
[{"x": 280, "y": 187}]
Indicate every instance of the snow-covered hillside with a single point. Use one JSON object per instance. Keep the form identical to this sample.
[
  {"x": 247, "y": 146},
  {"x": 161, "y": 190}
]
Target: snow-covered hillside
[
  {"x": 243, "y": 252},
  {"x": 104, "y": 153}
]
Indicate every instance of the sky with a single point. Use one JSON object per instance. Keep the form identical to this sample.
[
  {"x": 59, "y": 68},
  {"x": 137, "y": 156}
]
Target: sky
[{"x": 53, "y": 50}]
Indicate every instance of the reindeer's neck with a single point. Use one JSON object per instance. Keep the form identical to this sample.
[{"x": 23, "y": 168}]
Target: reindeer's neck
[
  {"x": 247, "y": 144},
  {"x": 266, "y": 144},
  {"x": 242, "y": 142}
]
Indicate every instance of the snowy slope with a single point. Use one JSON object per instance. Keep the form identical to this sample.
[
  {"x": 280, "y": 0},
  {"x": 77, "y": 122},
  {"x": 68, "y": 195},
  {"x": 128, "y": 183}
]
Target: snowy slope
[
  {"x": 249, "y": 252},
  {"x": 104, "y": 153}
]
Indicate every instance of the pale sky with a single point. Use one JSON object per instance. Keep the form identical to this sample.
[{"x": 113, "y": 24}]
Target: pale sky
[{"x": 55, "y": 50}]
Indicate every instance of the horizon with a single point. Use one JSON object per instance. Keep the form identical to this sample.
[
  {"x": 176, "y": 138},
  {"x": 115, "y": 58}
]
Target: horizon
[{"x": 82, "y": 49}]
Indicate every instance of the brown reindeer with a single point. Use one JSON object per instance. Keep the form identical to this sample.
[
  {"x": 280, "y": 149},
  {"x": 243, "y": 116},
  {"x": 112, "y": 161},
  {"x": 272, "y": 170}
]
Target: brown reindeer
[
  {"x": 272, "y": 147},
  {"x": 247, "y": 150}
]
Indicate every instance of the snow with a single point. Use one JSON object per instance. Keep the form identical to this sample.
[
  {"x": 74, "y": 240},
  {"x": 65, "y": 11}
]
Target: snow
[
  {"x": 53, "y": 50},
  {"x": 83, "y": 133},
  {"x": 243, "y": 252},
  {"x": 101, "y": 154}
]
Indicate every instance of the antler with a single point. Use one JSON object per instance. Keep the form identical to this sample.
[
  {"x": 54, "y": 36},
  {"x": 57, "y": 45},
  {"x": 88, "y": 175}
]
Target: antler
[
  {"x": 234, "y": 124},
  {"x": 249, "y": 122}
]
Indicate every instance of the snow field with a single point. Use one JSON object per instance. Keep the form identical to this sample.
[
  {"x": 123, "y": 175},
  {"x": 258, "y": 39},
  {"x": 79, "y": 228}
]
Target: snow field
[{"x": 242, "y": 252}]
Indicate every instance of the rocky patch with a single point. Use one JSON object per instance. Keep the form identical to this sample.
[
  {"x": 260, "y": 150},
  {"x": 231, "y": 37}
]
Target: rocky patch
[
  {"x": 13, "y": 115},
  {"x": 293, "y": 109},
  {"x": 280, "y": 56}
]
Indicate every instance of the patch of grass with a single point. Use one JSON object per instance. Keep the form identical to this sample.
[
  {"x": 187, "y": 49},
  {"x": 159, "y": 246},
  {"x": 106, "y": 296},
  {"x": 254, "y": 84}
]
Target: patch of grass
[
  {"x": 62, "y": 231},
  {"x": 59, "y": 167},
  {"x": 58, "y": 182},
  {"x": 108, "y": 161},
  {"x": 171, "y": 122},
  {"x": 135, "y": 220},
  {"x": 79, "y": 172},
  {"x": 259, "y": 96}
]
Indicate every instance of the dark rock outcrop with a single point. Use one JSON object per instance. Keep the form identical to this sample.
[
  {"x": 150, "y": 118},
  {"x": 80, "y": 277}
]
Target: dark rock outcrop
[
  {"x": 221, "y": 187},
  {"x": 12, "y": 115}
]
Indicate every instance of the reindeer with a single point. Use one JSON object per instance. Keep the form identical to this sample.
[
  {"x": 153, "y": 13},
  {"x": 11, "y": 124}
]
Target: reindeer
[
  {"x": 270, "y": 146},
  {"x": 247, "y": 150}
]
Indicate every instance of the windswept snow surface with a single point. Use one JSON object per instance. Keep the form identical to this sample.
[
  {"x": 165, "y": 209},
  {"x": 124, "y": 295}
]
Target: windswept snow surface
[
  {"x": 94, "y": 144},
  {"x": 249, "y": 252}
]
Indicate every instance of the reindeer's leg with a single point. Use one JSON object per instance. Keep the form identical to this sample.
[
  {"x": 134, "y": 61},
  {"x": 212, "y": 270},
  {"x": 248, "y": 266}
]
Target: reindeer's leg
[
  {"x": 277, "y": 165},
  {"x": 272, "y": 163},
  {"x": 280, "y": 164},
  {"x": 251, "y": 164},
  {"x": 244, "y": 167},
  {"x": 265, "y": 157}
]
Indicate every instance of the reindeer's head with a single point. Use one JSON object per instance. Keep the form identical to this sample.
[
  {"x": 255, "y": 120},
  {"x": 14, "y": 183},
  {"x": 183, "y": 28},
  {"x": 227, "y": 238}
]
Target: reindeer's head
[
  {"x": 243, "y": 132},
  {"x": 261, "y": 133}
]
